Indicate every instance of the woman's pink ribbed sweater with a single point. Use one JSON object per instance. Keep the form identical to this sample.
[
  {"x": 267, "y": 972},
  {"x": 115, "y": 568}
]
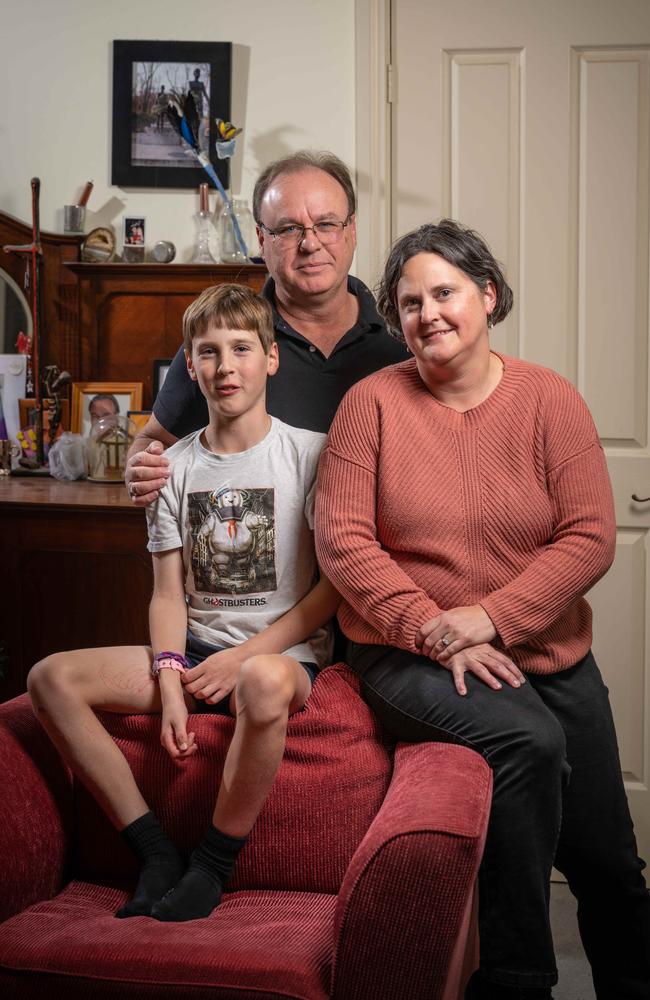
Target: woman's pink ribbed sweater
[{"x": 421, "y": 508}]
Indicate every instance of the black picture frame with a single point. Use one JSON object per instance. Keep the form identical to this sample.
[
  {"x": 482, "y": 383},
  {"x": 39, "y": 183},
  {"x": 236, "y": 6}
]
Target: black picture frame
[
  {"x": 160, "y": 368},
  {"x": 126, "y": 172}
]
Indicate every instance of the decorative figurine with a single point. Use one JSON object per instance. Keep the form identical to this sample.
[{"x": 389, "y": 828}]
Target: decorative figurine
[
  {"x": 185, "y": 121},
  {"x": 54, "y": 380}
]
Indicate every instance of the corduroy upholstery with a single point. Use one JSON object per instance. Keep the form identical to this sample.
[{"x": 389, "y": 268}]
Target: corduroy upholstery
[{"x": 357, "y": 882}]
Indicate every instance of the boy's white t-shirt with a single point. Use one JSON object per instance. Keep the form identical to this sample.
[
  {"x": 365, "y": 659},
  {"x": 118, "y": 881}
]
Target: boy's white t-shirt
[{"x": 245, "y": 524}]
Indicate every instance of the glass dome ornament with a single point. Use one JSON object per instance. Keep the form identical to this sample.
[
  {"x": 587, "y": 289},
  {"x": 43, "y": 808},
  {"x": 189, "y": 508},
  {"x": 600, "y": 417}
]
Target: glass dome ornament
[{"x": 108, "y": 444}]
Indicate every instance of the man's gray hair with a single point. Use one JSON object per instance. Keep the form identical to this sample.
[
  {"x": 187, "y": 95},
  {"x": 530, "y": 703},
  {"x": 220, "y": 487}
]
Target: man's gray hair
[{"x": 304, "y": 159}]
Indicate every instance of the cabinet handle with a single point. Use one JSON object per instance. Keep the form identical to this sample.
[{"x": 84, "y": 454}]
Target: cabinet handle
[{"x": 640, "y": 499}]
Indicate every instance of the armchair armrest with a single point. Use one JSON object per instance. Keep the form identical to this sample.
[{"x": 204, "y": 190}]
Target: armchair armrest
[
  {"x": 36, "y": 798},
  {"x": 403, "y": 910}
]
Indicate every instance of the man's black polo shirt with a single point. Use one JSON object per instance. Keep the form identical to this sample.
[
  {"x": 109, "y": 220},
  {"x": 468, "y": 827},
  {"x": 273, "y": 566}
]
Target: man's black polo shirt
[{"x": 308, "y": 387}]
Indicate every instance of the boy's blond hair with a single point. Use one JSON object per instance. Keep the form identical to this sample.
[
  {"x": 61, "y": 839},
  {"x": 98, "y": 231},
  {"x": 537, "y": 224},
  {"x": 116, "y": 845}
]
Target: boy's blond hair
[{"x": 233, "y": 307}]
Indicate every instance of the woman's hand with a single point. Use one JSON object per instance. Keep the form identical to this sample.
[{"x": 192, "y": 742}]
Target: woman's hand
[
  {"x": 173, "y": 733},
  {"x": 215, "y": 678},
  {"x": 486, "y": 663},
  {"x": 446, "y": 634}
]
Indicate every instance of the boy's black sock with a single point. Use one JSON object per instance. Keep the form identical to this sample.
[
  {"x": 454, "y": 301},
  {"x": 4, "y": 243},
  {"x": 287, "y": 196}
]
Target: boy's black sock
[
  {"x": 200, "y": 888},
  {"x": 478, "y": 989},
  {"x": 162, "y": 866}
]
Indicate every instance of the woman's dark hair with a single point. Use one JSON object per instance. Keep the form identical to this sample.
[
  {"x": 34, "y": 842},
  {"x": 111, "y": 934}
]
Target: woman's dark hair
[{"x": 460, "y": 246}]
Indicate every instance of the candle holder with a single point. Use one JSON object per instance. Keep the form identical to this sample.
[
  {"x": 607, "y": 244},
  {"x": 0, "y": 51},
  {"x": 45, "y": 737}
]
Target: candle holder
[{"x": 202, "y": 252}]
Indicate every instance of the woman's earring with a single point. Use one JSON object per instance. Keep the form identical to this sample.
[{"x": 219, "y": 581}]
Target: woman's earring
[{"x": 490, "y": 321}]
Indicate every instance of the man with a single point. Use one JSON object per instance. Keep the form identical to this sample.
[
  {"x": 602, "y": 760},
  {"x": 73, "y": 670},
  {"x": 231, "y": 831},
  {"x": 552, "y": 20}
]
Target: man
[
  {"x": 104, "y": 404},
  {"x": 328, "y": 331}
]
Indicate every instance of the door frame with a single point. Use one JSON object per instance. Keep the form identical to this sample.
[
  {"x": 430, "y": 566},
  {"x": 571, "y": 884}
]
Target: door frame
[{"x": 373, "y": 136}]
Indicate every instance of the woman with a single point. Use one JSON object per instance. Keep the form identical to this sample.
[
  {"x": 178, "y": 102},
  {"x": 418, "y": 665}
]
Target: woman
[{"x": 464, "y": 508}]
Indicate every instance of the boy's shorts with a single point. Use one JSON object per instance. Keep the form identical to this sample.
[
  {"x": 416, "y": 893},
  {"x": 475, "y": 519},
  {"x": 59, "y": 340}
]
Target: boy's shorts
[{"x": 196, "y": 651}]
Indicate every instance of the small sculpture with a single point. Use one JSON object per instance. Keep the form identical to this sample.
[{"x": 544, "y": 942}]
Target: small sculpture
[
  {"x": 185, "y": 121},
  {"x": 54, "y": 380}
]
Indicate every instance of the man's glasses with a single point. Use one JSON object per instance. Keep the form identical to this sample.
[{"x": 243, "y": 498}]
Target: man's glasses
[{"x": 292, "y": 234}]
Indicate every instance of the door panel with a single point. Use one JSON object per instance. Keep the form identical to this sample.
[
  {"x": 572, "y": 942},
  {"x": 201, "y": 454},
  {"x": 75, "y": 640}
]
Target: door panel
[{"x": 531, "y": 123}]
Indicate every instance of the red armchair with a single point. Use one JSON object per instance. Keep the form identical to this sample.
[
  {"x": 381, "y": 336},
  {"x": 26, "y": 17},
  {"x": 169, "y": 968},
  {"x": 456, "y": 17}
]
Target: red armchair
[{"x": 357, "y": 882}]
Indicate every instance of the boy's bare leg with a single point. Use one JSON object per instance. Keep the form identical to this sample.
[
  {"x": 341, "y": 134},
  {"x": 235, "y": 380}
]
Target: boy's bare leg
[
  {"x": 269, "y": 688},
  {"x": 64, "y": 689}
]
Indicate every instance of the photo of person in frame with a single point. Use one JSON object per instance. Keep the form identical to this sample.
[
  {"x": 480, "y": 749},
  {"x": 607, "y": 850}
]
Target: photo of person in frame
[
  {"x": 98, "y": 406},
  {"x": 134, "y": 229},
  {"x": 153, "y": 85}
]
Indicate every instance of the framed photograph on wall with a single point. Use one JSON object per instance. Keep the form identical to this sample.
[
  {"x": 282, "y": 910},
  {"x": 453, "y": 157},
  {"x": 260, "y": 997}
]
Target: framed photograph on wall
[
  {"x": 147, "y": 150},
  {"x": 93, "y": 400},
  {"x": 160, "y": 368}
]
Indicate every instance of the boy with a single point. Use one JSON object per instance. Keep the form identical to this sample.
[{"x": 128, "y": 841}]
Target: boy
[{"x": 235, "y": 618}]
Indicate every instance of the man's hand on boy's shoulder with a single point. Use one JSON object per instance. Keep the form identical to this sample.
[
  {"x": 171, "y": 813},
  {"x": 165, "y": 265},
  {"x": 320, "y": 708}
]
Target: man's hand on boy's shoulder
[
  {"x": 147, "y": 469},
  {"x": 146, "y": 473},
  {"x": 216, "y": 677}
]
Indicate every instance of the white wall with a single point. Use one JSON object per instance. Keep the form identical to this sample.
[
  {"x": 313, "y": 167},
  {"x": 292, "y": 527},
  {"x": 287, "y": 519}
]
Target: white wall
[{"x": 293, "y": 87}]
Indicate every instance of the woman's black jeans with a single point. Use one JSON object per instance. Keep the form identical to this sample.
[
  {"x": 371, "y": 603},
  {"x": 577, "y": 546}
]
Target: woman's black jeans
[{"x": 558, "y": 799}]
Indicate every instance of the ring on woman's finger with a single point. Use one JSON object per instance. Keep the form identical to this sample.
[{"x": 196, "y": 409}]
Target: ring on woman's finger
[
  {"x": 445, "y": 642},
  {"x": 132, "y": 491}
]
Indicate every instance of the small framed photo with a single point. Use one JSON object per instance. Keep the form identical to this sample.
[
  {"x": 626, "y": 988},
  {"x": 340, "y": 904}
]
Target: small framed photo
[
  {"x": 93, "y": 400},
  {"x": 134, "y": 230},
  {"x": 139, "y": 418},
  {"x": 134, "y": 239},
  {"x": 147, "y": 76},
  {"x": 160, "y": 368},
  {"x": 27, "y": 411}
]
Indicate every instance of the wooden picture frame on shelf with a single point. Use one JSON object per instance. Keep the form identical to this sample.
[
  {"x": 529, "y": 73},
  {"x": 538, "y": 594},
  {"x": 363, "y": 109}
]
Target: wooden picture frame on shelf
[
  {"x": 127, "y": 396},
  {"x": 139, "y": 418},
  {"x": 160, "y": 368},
  {"x": 147, "y": 151},
  {"x": 27, "y": 416}
]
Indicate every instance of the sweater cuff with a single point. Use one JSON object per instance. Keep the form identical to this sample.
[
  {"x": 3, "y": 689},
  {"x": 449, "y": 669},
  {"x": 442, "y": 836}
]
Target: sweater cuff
[
  {"x": 507, "y": 629},
  {"x": 418, "y": 613}
]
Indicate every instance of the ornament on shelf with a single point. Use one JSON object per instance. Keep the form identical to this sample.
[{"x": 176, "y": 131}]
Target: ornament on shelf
[
  {"x": 202, "y": 253},
  {"x": 185, "y": 121}
]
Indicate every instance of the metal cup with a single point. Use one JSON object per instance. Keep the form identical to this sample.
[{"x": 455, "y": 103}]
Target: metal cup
[
  {"x": 74, "y": 217},
  {"x": 8, "y": 451}
]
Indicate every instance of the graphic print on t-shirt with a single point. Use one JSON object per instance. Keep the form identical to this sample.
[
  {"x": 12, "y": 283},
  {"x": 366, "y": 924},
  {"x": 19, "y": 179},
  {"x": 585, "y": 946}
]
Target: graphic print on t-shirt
[{"x": 233, "y": 540}]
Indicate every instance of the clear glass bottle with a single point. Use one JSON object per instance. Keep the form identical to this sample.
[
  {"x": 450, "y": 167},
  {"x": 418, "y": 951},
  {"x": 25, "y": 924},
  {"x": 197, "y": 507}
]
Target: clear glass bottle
[
  {"x": 202, "y": 253},
  {"x": 231, "y": 252}
]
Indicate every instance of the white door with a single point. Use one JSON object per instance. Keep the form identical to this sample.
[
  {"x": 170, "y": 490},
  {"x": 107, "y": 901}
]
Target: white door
[{"x": 530, "y": 122}]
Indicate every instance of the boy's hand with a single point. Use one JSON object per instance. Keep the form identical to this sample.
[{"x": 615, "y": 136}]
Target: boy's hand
[
  {"x": 173, "y": 734},
  {"x": 215, "y": 678}
]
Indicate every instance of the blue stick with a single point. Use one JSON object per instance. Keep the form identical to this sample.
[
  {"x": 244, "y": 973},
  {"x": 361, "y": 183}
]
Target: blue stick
[{"x": 210, "y": 171}]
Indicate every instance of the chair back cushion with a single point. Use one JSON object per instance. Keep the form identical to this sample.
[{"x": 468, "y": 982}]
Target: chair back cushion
[{"x": 332, "y": 781}]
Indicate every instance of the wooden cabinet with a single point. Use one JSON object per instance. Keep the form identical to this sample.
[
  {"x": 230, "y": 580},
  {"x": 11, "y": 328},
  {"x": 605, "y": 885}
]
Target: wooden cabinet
[
  {"x": 132, "y": 313},
  {"x": 60, "y": 288},
  {"x": 76, "y": 572},
  {"x": 75, "y": 567}
]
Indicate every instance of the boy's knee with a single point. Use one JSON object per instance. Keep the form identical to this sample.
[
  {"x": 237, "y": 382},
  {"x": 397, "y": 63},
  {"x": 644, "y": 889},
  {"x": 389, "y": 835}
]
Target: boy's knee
[
  {"x": 264, "y": 689},
  {"x": 48, "y": 675}
]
